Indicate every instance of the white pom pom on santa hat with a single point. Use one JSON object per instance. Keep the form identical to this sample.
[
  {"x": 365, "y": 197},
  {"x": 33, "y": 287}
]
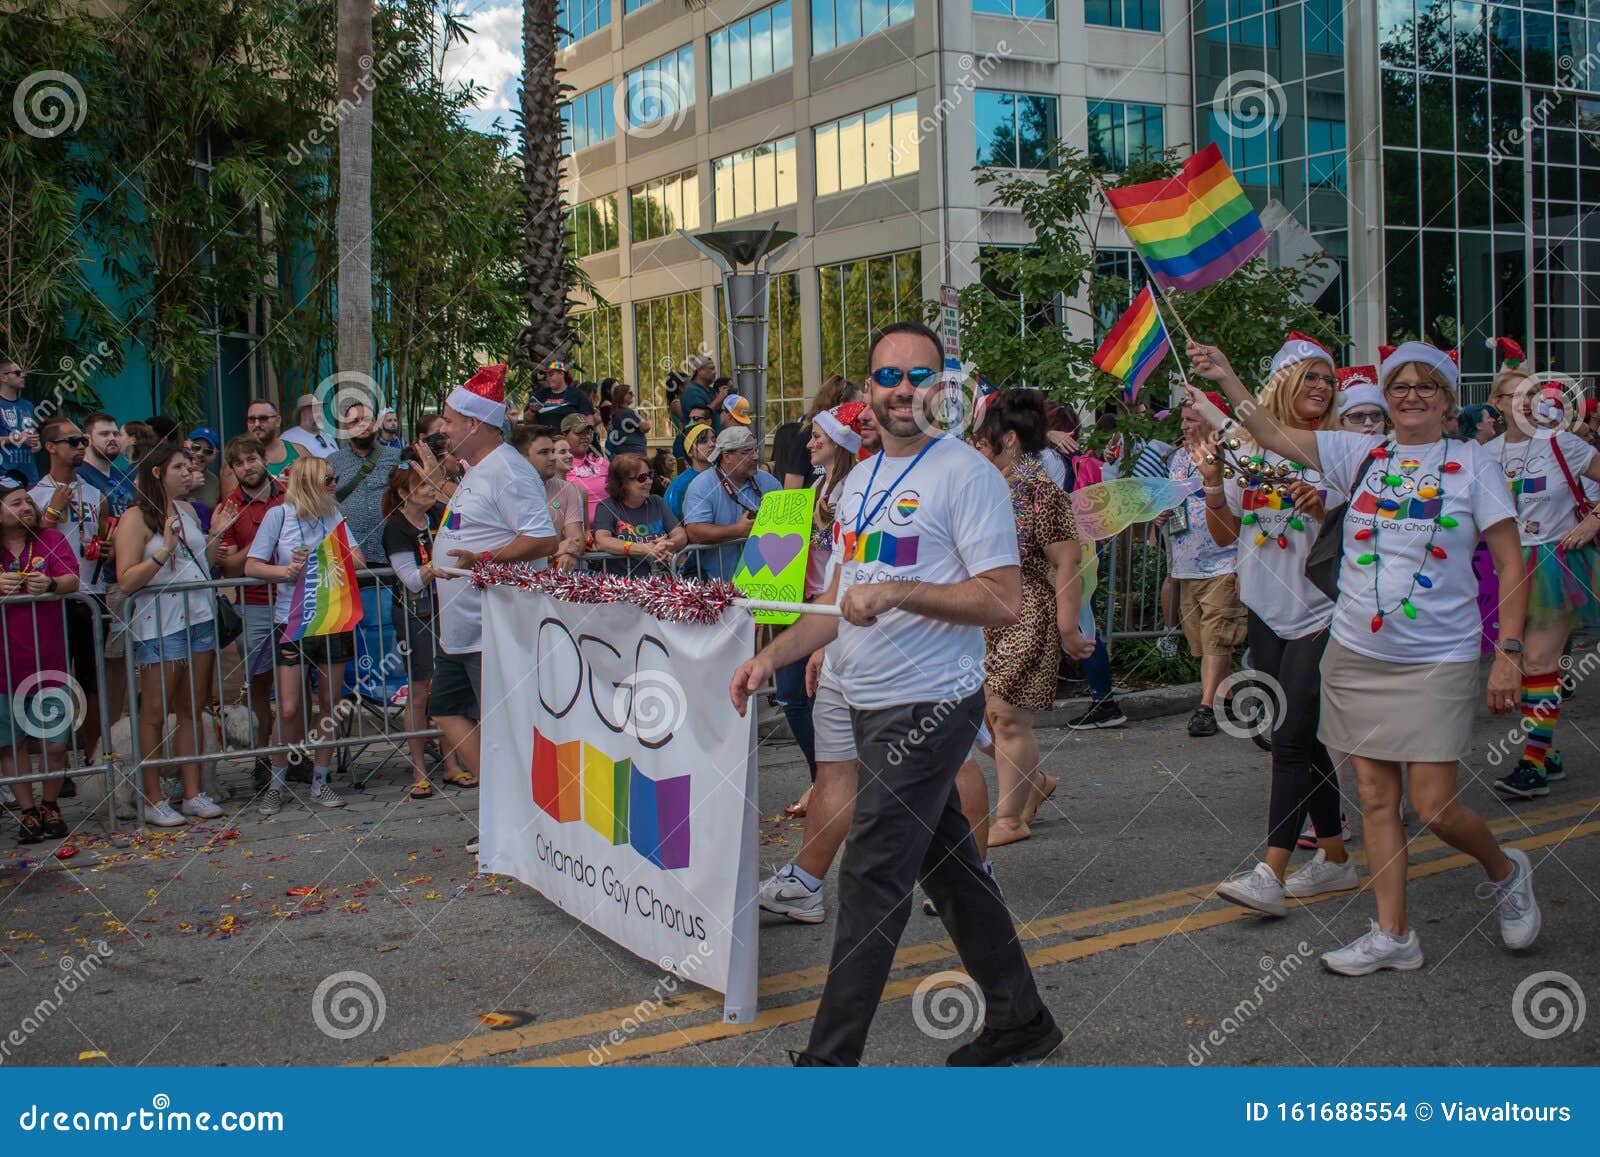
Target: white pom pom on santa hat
[{"x": 482, "y": 396}]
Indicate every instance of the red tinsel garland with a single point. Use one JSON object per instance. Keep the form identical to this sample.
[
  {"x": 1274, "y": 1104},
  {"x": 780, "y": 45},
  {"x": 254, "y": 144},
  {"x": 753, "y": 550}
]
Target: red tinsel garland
[{"x": 664, "y": 597}]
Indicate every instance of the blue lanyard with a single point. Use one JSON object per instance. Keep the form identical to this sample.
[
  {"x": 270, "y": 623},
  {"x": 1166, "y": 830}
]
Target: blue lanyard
[{"x": 876, "y": 462}]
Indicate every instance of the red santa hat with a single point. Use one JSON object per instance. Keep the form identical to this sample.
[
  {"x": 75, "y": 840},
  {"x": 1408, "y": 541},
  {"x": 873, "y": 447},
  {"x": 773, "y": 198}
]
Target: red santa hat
[
  {"x": 482, "y": 396},
  {"x": 1511, "y": 355},
  {"x": 1418, "y": 351},
  {"x": 843, "y": 425},
  {"x": 1297, "y": 348}
]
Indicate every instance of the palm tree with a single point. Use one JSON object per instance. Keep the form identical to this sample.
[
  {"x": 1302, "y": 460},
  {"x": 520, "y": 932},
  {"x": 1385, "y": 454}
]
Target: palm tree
[
  {"x": 354, "y": 352},
  {"x": 547, "y": 268}
]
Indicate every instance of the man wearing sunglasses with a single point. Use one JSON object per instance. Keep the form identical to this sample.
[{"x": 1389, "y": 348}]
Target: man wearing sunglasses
[
  {"x": 203, "y": 445},
  {"x": 263, "y": 423},
  {"x": 19, "y": 440},
  {"x": 557, "y": 398},
  {"x": 925, "y": 546},
  {"x": 80, "y": 512}
]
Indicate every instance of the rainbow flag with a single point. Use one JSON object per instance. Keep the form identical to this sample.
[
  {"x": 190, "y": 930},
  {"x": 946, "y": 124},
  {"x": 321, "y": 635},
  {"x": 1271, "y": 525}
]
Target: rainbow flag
[
  {"x": 1192, "y": 229},
  {"x": 326, "y": 600},
  {"x": 1135, "y": 345}
]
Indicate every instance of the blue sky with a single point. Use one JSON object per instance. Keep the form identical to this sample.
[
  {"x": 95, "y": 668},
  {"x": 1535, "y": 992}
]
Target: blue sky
[{"x": 491, "y": 57}]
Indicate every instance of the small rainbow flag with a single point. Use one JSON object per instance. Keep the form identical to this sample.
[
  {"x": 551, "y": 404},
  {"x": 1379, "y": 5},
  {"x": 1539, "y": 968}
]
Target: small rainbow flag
[
  {"x": 326, "y": 600},
  {"x": 1192, "y": 229},
  {"x": 1135, "y": 345}
]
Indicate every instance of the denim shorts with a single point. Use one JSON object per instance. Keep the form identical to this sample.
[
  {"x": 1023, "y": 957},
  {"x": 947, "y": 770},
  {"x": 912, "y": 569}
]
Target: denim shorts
[{"x": 183, "y": 644}]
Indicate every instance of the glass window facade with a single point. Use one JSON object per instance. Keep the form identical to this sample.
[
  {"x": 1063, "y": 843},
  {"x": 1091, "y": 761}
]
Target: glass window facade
[
  {"x": 667, "y": 332},
  {"x": 876, "y": 145},
  {"x": 857, "y": 298},
  {"x": 589, "y": 118},
  {"x": 1118, "y": 132},
  {"x": 1143, "y": 15},
  {"x": 661, "y": 207},
  {"x": 835, "y": 23},
  {"x": 751, "y": 49},
  {"x": 754, "y": 180},
  {"x": 1015, "y": 129},
  {"x": 662, "y": 88},
  {"x": 580, "y": 18},
  {"x": 786, "y": 387},
  {"x": 600, "y": 342},
  {"x": 592, "y": 226},
  {"x": 634, "y": 5},
  {"x": 1021, "y": 9}
]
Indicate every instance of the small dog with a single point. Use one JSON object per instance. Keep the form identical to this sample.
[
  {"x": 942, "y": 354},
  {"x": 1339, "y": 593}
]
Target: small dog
[{"x": 234, "y": 730}]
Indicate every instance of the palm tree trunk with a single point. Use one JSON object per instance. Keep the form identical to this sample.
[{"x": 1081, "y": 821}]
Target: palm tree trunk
[
  {"x": 546, "y": 277},
  {"x": 354, "y": 352}
]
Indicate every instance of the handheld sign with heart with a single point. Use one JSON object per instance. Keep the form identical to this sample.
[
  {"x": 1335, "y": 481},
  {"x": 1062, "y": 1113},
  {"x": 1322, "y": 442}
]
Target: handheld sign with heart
[{"x": 772, "y": 565}]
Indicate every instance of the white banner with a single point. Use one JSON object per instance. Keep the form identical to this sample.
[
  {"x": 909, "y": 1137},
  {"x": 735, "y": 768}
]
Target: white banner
[{"x": 619, "y": 782}]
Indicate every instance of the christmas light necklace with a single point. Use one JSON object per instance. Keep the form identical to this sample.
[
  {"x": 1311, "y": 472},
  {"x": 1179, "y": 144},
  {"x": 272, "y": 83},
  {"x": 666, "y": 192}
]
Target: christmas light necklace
[
  {"x": 1256, "y": 473},
  {"x": 1369, "y": 535}
]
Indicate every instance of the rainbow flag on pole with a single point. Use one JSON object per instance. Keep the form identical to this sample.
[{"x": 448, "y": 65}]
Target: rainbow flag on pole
[
  {"x": 1135, "y": 345},
  {"x": 1192, "y": 229},
  {"x": 327, "y": 600}
]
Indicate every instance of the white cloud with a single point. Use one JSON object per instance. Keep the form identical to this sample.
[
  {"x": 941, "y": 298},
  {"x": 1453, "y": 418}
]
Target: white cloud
[{"x": 490, "y": 57}]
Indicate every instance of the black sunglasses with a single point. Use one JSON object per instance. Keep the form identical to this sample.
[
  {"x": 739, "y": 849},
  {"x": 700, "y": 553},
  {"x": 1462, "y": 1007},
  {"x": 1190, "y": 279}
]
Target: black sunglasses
[
  {"x": 645, "y": 477},
  {"x": 889, "y": 376},
  {"x": 75, "y": 441}
]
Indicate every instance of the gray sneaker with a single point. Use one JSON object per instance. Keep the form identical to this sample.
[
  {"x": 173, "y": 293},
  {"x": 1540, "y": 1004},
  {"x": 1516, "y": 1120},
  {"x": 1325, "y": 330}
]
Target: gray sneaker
[
  {"x": 1519, "y": 911},
  {"x": 787, "y": 895},
  {"x": 1320, "y": 875},
  {"x": 1374, "y": 950},
  {"x": 327, "y": 797},
  {"x": 1258, "y": 889},
  {"x": 271, "y": 802}
]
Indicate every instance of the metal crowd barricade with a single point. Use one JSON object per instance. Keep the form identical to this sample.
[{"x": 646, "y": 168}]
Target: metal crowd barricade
[
  {"x": 43, "y": 700},
  {"x": 358, "y": 713},
  {"x": 1133, "y": 567}
]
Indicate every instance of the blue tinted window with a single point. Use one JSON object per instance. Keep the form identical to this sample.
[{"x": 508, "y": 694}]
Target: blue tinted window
[
  {"x": 662, "y": 88},
  {"x": 1015, "y": 130},
  {"x": 1118, "y": 132},
  {"x": 589, "y": 118},
  {"x": 580, "y": 18},
  {"x": 835, "y": 23}
]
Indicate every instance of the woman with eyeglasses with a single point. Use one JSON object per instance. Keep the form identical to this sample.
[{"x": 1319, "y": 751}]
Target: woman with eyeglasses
[
  {"x": 1273, "y": 508},
  {"x": 1545, "y": 468},
  {"x": 1361, "y": 408},
  {"x": 173, "y": 632},
  {"x": 1400, "y": 673},
  {"x": 634, "y": 524},
  {"x": 289, "y": 533}
]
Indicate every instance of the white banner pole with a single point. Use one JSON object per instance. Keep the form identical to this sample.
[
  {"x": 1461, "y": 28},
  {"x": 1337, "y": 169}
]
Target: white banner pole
[{"x": 788, "y": 608}]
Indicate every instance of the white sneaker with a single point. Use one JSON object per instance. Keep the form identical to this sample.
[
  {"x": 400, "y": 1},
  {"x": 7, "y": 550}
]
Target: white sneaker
[
  {"x": 271, "y": 802},
  {"x": 202, "y": 806},
  {"x": 327, "y": 797},
  {"x": 472, "y": 845},
  {"x": 1319, "y": 875},
  {"x": 1373, "y": 950},
  {"x": 787, "y": 895},
  {"x": 1257, "y": 889},
  {"x": 1519, "y": 912},
  {"x": 162, "y": 815},
  {"x": 7, "y": 798}
]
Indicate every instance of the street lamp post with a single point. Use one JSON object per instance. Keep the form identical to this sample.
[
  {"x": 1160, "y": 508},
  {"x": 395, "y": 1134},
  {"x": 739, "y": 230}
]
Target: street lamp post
[{"x": 744, "y": 295}]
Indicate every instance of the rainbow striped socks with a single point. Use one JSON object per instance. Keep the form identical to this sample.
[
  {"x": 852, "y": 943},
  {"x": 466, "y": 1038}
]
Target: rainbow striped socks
[{"x": 1541, "y": 711}]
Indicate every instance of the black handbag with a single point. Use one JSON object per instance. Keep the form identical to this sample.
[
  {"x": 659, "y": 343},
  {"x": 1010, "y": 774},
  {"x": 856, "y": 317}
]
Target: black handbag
[{"x": 1327, "y": 551}]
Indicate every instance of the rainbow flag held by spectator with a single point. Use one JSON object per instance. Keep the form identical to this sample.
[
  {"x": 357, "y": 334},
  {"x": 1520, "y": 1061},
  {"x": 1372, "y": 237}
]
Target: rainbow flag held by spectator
[
  {"x": 327, "y": 599},
  {"x": 1192, "y": 229},
  {"x": 1135, "y": 345}
]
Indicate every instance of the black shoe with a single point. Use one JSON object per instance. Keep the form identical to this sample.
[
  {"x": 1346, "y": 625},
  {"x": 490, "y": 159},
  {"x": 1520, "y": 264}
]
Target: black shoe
[
  {"x": 50, "y": 821},
  {"x": 299, "y": 769},
  {"x": 1101, "y": 713},
  {"x": 995, "y": 1047},
  {"x": 31, "y": 830},
  {"x": 69, "y": 789},
  {"x": 804, "y": 1060},
  {"x": 1203, "y": 723}
]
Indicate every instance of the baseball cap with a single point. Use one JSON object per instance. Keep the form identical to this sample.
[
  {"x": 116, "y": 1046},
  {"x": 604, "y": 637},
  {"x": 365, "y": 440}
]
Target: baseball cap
[
  {"x": 737, "y": 409},
  {"x": 12, "y": 480},
  {"x": 732, "y": 438},
  {"x": 574, "y": 422},
  {"x": 692, "y": 434},
  {"x": 205, "y": 434}
]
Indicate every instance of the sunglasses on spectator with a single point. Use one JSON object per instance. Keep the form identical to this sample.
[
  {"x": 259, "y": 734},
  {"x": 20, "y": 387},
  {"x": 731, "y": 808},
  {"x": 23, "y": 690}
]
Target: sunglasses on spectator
[
  {"x": 333, "y": 480},
  {"x": 254, "y": 418},
  {"x": 889, "y": 376},
  {"x": 75, "y": 441},
  {"x": 645, "y": 477},
  {"x": 1365, "y": 417},
  {"x": 204, "y": 448}
]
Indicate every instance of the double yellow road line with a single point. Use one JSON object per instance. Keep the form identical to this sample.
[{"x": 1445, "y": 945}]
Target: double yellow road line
[{"x": 595, "y": 1027}]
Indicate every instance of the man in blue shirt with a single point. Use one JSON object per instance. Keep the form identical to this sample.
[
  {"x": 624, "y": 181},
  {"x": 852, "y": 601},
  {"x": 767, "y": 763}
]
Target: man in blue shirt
[
  {"x": 702, "y": 390},
  {"x": 19, "y": 441},
  {"x": 700, "y": 440},
  {"x": 721, "y": 502},
  {"x": 99, "y": 469}
]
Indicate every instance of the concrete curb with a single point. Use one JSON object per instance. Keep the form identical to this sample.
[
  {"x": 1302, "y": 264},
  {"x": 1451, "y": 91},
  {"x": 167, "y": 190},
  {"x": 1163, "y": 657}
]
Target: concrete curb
[{"x": 1177, "y": 699}]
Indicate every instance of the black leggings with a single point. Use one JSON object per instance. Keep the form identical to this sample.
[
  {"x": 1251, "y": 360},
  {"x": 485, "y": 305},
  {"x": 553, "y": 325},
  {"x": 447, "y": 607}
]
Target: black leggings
[{"x": 1303, "y": 778}]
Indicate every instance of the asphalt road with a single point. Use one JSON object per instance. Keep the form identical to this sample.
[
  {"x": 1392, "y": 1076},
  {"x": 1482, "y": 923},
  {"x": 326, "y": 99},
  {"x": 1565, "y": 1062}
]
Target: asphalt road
[{"x": 189, "y": 948}]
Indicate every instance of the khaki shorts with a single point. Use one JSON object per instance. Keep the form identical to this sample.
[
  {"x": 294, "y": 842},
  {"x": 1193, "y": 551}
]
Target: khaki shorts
[{"x": 1211, "y": 614}]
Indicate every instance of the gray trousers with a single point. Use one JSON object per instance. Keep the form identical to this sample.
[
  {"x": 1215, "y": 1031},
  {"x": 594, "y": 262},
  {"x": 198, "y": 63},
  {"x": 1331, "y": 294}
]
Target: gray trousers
[{"x": 908, "y": 826}]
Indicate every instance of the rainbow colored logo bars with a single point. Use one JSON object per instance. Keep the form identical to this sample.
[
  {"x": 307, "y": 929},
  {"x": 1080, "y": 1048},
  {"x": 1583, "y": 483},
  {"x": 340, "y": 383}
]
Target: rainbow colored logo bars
[
  {"x": 576, "y": 781},
  {"x": 1135, "y": 345},
  {"x": 1192, "y": 229},
  {"x": 326, "y": 599},
  {"x": 881, "y": 546}
]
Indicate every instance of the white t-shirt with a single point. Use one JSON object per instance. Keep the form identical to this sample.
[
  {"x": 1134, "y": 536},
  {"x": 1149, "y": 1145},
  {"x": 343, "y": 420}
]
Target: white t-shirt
[
  {"x": 1538, "y": 489},
  {"x": 945, "y": 520},
  {"x": 318, "y": 445},
  {"x": 1446, "y": 627},
  {"x": 499, "y": 499},
  {"x": 1272, "y": 578},
  {"x": 283, "y": 532},
  {"x": 80, "y": 525}
]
